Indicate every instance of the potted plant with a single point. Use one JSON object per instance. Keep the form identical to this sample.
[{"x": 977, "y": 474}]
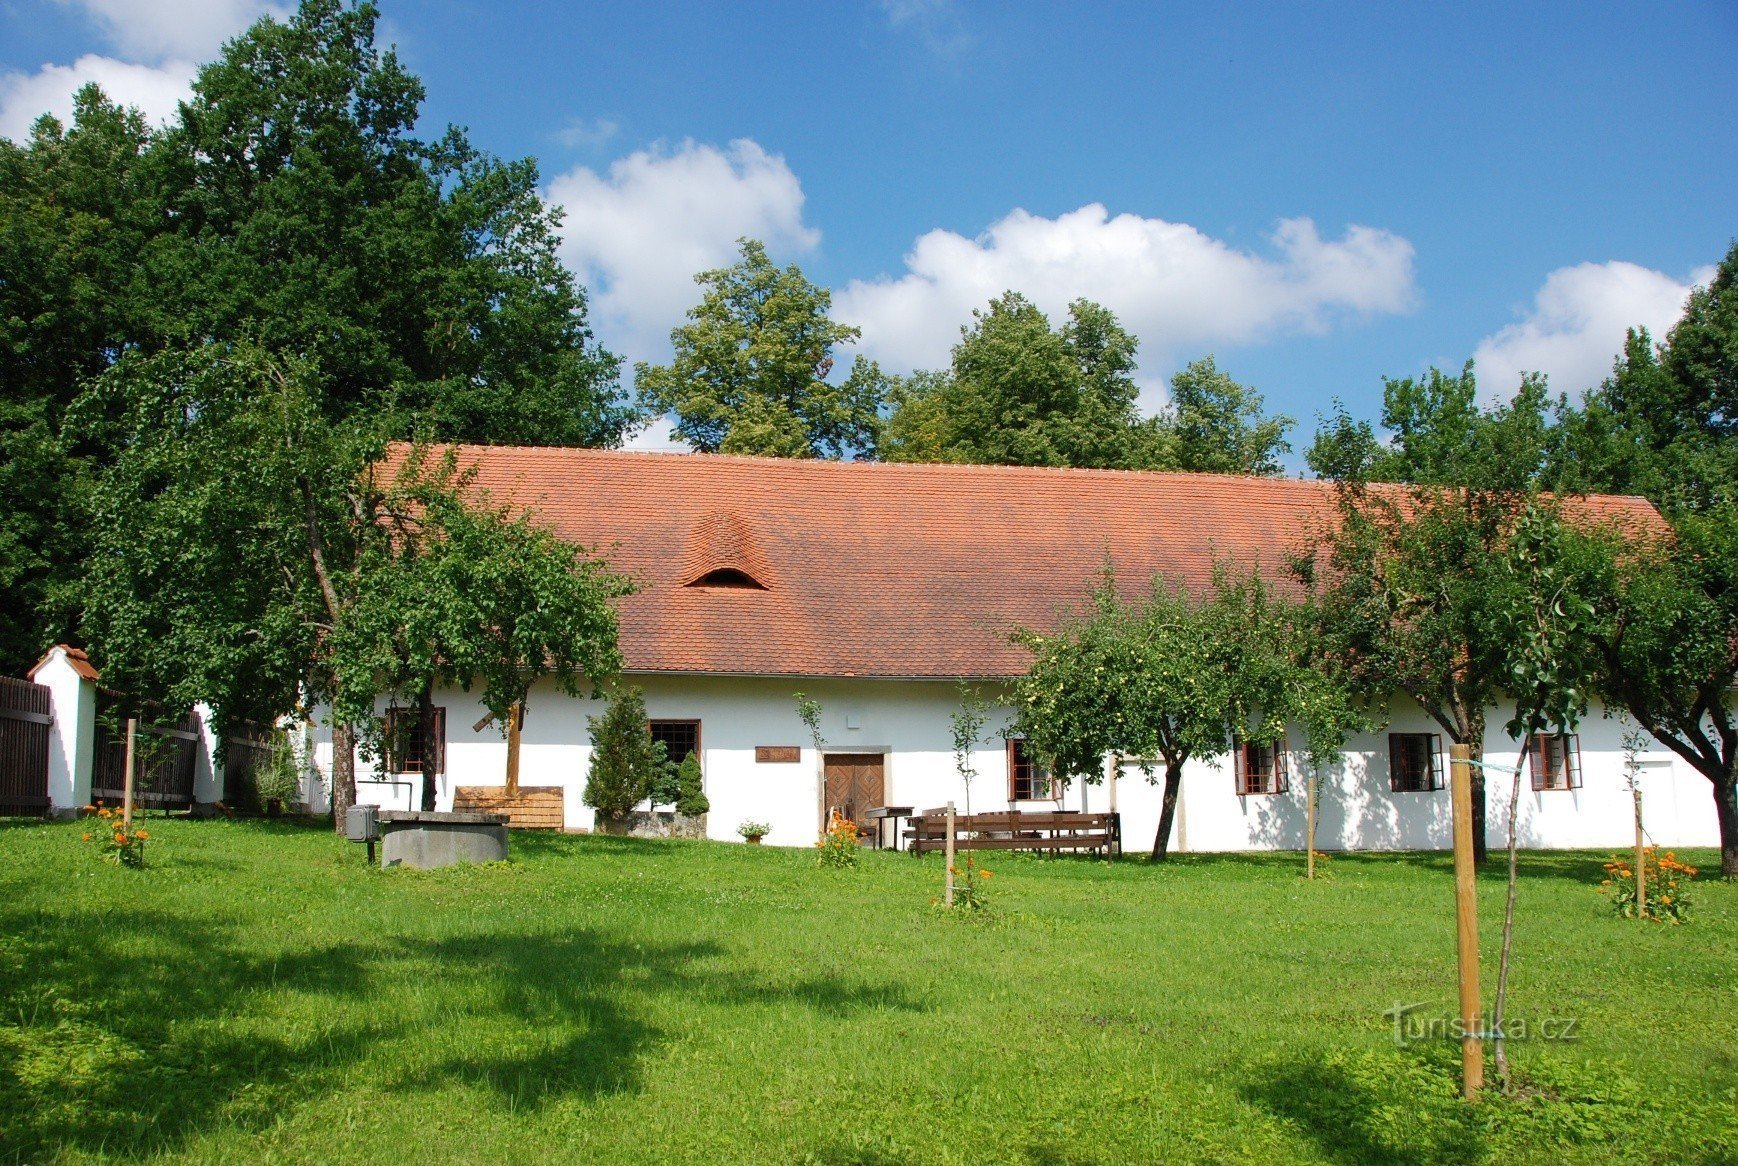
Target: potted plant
[{"x": 753, "y": 832}]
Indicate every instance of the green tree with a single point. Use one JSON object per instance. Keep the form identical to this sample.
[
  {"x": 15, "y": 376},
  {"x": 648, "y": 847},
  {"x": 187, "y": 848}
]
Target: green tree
[
  {"x": 1218, "y": 425},
  {"x": 1175, "y": 675},
  {"x": 625, "y": 761},
  {"x": 301, "y": 213},
  {"x": 68, "y": 297},
  {"x": 251, "y": 554},
  {"x": 1666, "y": 630},
  {"x": 469, "y": 592},
  {"x": 1442, "y": 436},
  {"x": 1662, "y": 425},
  {"x": 749, "y": 371},
  {"x": 322, "y": 281},
  {"x": 1022, "y": 393},
  {"x": 1408, "y": 592}
]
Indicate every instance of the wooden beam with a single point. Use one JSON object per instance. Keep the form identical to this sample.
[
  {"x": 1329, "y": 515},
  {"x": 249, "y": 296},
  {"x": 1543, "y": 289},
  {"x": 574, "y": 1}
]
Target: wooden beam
[{"x": 1472, "y": 1045}]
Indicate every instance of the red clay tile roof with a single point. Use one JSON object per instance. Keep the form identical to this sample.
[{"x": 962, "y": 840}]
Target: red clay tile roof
[
  {"x": 888, "y": 570},
  {"x": 75, "y": 658}
]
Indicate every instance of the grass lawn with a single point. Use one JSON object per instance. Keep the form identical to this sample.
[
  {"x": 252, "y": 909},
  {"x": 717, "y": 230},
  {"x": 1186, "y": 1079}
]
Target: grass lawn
[{"x": 256, "y": 994}]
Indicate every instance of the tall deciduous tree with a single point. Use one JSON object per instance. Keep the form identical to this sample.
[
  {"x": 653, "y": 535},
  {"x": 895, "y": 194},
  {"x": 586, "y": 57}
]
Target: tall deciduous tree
[
  {"x": 1219, "y": 426},
  {"x": 289, "y": 209},
  {"x": 1442, "y": 436},
  {"x": 74, "y": 225},
  {"x": 302, "y": 213},
  {"x": 1664, "y": 423},
  {"x": 750, "y": 369},
  {"x": 1022, "y": 393}
]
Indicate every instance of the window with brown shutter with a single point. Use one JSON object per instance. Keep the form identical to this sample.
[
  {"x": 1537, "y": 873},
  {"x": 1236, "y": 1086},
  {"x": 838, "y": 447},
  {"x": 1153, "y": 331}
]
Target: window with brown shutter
[
  {"x": 1414, "y": 762},
  {"x": 1259, "y": 766},
  {"x": 1028, "y": 780},
  {"x": 1554, "y": 760},
  {"x": 405, "y": 739}
]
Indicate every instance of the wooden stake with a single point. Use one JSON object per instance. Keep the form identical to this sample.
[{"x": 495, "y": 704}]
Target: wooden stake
[
  {"x": 127, "y": 780},
  {"x": 1472, "y": 1045},
  {"x": 1640, "y": 859},
  {"x": 947, "y": 895},
  {"x": 515, "y": 720}
]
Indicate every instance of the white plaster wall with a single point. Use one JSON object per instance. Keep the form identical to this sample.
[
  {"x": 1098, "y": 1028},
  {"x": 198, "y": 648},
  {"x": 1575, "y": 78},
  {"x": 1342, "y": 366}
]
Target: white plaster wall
[
  {"x": 909, "y": 722},
  {"x": 72, "y": 736}
]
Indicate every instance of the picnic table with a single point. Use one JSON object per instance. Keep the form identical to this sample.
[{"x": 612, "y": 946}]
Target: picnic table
[{"x": 1041, "y": 830}]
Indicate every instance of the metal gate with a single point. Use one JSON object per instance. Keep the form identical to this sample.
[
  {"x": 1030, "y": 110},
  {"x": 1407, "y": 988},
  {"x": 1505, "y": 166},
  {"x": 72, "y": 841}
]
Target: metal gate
[
  {"x": 24, "y": 720},
  {"x": 164, "y": 758}
]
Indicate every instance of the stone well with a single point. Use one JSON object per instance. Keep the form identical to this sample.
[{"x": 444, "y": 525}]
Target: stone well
[{"x": 424, "y": 839}]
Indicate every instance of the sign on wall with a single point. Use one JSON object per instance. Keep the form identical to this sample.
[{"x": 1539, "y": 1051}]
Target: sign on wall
[{"x": 777, "y": 753}]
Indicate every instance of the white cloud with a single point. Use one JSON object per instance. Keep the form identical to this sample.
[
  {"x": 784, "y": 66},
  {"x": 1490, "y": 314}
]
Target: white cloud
[
  {"x": 658, "y": 437},
  {"x": 1181, "y": 291},
  {"x": 580, "y": 132},
  {"x": 158, "y": 44},
  {"x": 637, "y": 235},
  {"x": 24, "y": 97},
  {"x": 173, "y": 30},
  {"x": 1575, "y": 327},
  {"x": 936, "y": 23}
]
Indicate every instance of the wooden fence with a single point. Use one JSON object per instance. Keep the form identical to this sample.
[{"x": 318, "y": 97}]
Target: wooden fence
[
  {"x": 245, "y": 748},
  {"x": 165, "y": 754},
  {"x": 25, "y": 717}
]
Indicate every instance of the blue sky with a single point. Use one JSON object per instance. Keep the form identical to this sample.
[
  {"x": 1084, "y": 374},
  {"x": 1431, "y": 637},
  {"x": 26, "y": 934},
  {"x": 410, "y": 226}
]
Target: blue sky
[{"x": 1319, "y": 195}]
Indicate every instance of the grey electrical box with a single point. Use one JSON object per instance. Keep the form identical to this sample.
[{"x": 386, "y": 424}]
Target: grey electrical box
[{"x": 362, "y": 823}]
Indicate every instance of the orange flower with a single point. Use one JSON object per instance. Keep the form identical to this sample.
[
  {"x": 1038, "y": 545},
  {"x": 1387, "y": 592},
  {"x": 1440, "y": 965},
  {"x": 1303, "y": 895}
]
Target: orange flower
[
  {"x": 985, "y": 873},
  {"x": 120, "y": 840},
  {"x": 141, "y": 835},
  {"x": 87, "y": 837}
]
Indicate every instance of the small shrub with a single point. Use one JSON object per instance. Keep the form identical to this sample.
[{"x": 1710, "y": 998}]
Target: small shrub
[
  {"x": 625, "y": 761},
  {"x": 278, "y": 778},
  {"x": 690, "y": 797},
  {"x": 839, "y": 845},
  {"x": 113, "y": 839},
  {"x": 1668, "y": 886},
  {"x": 754, "y": 829}
]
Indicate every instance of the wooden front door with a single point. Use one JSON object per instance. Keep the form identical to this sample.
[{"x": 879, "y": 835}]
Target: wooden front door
[{"x": 856, "y": 782}]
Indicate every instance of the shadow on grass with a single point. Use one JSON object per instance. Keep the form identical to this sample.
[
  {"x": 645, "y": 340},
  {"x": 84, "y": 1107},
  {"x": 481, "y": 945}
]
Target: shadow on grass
[
  {"x": 1397, "y": 1109},
  {"x": 131, "y": 1032},
  {"x": 106, "y": 1043},
  {"x": 568, "y": 1010}
]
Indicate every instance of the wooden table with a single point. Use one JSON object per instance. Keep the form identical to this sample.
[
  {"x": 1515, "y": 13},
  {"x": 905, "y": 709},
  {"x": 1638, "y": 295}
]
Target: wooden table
[{"x": 880, "y": 816}]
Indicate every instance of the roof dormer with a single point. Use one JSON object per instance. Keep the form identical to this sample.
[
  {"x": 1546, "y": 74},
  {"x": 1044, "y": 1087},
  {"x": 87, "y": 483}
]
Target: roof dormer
[{"x": 723, "y": 552}]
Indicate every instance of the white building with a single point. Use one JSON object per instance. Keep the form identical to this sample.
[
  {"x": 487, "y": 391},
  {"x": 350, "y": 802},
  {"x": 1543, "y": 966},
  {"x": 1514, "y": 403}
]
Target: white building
[{"x": 875, "y": 588}]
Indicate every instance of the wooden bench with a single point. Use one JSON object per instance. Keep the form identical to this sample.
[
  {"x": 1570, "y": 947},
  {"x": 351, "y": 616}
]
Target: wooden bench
[
  {"x": 538, "y": 807},
  {"x": 1052, "y": 830}
]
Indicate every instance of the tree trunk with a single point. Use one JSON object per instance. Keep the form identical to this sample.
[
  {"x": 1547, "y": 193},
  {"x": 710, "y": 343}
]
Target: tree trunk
[
  {"x": 343, "y": 773},
  {"x": 425, "y": 725},
  {"x": 1497, "y": 1007},
  {"x": 1168, "y": 812},
  {"x": 1726, "y": 811},
  {"x": 1477, "y": 745}
]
